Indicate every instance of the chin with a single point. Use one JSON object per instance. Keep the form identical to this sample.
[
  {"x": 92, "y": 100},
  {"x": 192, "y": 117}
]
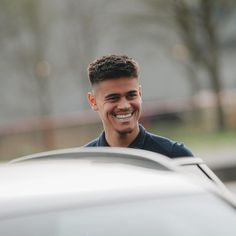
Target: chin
[{"x": 125, "y": 131}]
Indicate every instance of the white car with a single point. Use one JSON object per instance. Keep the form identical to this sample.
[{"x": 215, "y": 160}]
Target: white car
[{"x": 110, "y": 191}]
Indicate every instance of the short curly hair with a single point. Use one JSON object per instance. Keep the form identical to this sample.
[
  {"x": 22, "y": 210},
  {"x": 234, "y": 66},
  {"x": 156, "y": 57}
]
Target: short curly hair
[{"x": 112, "y": 67}]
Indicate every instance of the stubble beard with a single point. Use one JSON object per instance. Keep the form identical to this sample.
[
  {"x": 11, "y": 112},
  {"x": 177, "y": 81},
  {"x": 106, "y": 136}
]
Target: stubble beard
[{"x": 124, "y": 133}]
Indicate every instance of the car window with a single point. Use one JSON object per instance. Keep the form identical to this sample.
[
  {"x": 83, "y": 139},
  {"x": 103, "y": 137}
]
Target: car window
[{"x": 190, "y": 215}]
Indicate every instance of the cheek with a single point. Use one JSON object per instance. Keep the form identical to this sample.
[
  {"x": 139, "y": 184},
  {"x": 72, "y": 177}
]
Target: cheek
[
  {"x": 137, "y": 103},
  {"x": 107, "y": 107}
]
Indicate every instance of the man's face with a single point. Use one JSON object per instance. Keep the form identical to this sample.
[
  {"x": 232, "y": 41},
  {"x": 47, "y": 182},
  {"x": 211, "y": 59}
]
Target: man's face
[{"x": 118, "y": 102}]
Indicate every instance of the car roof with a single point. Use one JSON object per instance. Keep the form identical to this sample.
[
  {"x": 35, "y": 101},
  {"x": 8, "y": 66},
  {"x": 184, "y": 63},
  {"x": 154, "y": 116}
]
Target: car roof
[
  {"x": 150, "y": 159},
  {"x": 68, "y": 178},
  {"x": 155, "y": 160}
]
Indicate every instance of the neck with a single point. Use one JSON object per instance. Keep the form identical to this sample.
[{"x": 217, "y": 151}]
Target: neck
[{"x": 118, "y": 139}]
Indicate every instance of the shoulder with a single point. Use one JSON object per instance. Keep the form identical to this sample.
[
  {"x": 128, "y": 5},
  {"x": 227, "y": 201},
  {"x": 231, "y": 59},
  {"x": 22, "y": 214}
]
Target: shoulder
[
  {"x": 167, "y": 146},
  {"x": 180, "y": 150},
  {"x": 92, "y": 143}
]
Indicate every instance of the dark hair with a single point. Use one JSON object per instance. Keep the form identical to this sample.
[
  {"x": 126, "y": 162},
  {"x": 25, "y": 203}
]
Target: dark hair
[{"x": 112, "y": 67}]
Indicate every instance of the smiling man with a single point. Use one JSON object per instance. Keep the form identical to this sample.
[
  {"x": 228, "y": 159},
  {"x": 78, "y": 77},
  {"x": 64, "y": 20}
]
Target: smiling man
[{"x": 116, "y": 95}]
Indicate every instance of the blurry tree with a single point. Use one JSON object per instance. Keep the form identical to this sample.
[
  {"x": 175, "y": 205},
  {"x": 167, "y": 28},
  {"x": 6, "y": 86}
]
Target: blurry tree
[
  {"x": 22, "y": 21},
  {"x": 85, "y": 26},
  {"x": 39, "y": 26},
  {"x": 28, "y": 28},
  {"x": 197, "y": 22}
]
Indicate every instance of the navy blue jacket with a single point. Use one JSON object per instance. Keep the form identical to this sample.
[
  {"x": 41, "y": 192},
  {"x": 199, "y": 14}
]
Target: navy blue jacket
[{"x": 150, "y": 142}]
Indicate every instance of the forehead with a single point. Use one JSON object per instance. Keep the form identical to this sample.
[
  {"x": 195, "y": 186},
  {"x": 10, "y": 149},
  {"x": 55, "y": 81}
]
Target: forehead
[{"x": 117, "y": 85}]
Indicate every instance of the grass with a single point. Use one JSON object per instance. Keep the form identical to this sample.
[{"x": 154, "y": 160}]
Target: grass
[{"x": 195, "y": 136}]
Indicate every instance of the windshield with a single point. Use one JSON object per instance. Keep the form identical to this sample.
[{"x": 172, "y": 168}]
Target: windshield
[{"x": 189, "y": 215}]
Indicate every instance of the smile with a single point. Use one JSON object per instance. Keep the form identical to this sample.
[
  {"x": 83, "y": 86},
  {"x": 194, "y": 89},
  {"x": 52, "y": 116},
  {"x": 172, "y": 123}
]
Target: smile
[{"x": 123, "y": 117}]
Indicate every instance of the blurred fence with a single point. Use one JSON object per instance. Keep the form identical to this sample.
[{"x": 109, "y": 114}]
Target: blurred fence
[{"x": 73, "y": 130}]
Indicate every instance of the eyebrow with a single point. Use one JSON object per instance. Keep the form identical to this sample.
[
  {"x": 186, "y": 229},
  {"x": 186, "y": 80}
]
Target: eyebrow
[
  {"x": 132, "y": 91},
  {"x": 118, "y": 94},
  {"x": 112, "y": 95}
]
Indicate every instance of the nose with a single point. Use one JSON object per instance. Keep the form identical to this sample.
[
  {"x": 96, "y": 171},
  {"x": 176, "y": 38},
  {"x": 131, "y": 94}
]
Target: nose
[{"x": 123, "y": 103}]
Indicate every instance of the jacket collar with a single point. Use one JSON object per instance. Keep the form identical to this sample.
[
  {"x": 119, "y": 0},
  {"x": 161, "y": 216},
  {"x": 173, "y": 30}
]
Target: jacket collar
[{"x": 137, "y": 143}]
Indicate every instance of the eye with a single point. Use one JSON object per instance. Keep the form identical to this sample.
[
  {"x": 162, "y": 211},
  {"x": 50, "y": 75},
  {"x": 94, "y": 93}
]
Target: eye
[
  {"x": 112, "y": 98},
  {"x": 132, "y": 95}
]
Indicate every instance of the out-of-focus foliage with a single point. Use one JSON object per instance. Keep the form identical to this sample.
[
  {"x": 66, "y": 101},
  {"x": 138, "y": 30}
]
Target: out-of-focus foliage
[
  {"x": 198, "y": 24},
  {"x": 46, "y": 46}
]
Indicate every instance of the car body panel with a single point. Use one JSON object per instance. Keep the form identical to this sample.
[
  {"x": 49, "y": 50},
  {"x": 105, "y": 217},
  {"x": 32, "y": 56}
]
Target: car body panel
[
  {"x": 106, "y": 191},
  {"x": 82, "y": 181}
]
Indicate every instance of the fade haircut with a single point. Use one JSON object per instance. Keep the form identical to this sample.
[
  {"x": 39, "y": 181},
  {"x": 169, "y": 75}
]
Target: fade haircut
[{"x": 112, "y": 67}]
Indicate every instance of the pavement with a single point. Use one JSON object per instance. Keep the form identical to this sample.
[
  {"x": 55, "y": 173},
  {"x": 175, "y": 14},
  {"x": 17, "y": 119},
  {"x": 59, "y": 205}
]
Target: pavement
[
  {"x": 223, "y": 163},
  {"x": 218, "y": 158}
]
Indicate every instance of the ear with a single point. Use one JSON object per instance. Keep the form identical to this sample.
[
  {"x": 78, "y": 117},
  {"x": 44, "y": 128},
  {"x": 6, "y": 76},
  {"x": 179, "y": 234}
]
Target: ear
[
  {"x": 92, "y": 101},
  {"x": 140, "y": 90}
]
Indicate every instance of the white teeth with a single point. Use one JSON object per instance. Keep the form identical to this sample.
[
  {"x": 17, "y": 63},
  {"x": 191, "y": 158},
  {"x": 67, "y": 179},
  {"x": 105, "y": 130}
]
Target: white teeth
[{"x": 124, "y": 116}]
